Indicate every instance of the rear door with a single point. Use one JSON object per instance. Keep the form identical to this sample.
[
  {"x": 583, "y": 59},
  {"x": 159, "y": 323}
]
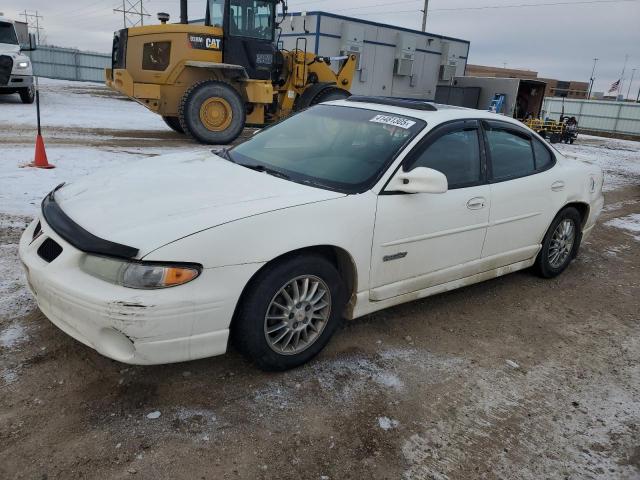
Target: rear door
[
  {"x": 525, "y": 189},
  {"x": 424, "y": 239}
]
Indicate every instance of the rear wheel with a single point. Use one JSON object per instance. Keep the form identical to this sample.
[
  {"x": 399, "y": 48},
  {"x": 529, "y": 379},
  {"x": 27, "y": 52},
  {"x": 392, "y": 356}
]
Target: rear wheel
[
  {"x": 289, "y": 312},
  {"x": 173, "y": 123},
  {"x": 560, "y": 244},
  {"x": 212, "y": 112},
  {"x": 27, "y": 95}
]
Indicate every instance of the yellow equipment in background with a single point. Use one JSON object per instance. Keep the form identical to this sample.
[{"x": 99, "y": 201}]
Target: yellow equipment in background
[
  {"x": 546, "y": 128},
  {"x": 208, "y": 81}
]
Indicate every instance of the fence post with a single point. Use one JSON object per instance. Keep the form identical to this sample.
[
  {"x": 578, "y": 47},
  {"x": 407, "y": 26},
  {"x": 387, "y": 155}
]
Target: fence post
[
  {"x": 615, "y": 125},
  {"x": 75, "y": 61}
]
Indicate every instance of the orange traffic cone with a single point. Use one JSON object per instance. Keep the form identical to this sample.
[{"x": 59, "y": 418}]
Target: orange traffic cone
[{"x": 40, "y": 159}]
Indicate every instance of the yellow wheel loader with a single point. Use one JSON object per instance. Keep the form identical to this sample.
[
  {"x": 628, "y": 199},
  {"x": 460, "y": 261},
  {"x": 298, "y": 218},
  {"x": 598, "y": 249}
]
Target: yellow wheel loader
[{"x": 211, "y": 80}]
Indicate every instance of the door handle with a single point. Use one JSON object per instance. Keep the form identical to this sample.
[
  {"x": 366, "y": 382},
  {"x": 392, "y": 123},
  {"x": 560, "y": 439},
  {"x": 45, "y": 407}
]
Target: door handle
[
  {"x": 476, "y": 203},
  {"x": 557, "y": 186}
]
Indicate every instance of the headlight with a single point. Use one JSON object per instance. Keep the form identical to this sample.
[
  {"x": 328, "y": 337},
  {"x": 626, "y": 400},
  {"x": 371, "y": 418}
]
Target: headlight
[
  {"x": 23, "y": 64},
  {"x": 145, "y": 275}
]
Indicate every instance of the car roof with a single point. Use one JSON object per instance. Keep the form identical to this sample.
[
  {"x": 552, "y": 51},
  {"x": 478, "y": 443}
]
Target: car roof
[{"x": 442, "y": 113}]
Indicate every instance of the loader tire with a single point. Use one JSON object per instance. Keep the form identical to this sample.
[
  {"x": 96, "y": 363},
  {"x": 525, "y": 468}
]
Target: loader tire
[
  {"x": 173, "y": 123},
  {"x": 330, "y": 94},
  {"x": 212, "y": 112}
]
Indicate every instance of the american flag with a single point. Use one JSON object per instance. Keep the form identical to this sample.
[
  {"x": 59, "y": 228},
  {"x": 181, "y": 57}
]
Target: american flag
[{"x": 614, "y": 86}]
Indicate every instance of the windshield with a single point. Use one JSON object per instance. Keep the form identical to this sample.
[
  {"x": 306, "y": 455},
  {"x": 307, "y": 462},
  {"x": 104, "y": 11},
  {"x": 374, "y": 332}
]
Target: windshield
[
  {"x": 251, "y": 18},
  {"x": 8, "y": 33},
  {"x": 329, "y": 146}
]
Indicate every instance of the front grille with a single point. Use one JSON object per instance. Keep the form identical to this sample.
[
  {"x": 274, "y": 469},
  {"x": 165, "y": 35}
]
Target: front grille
[
  {"x": 49, "y": 250},
  {"x": 6, "y": 65},
  {"x": 119, "y": 49}
]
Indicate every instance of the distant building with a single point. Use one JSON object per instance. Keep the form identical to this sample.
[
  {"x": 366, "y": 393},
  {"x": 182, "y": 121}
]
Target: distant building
[
  {"x": 555, "y": 88},
  {"x": 570, "y": 89},
  {"x": 485, "y": 71}
]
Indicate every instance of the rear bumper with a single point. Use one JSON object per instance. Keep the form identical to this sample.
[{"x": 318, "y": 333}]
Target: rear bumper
[{"x": 141, "y": 327}]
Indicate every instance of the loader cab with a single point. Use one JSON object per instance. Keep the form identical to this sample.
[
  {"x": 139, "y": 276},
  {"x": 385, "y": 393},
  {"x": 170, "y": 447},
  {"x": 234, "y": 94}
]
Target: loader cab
[{"x": 249, "y": 33}]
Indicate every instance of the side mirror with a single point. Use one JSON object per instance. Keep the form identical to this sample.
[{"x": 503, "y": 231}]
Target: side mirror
[
  {"x": 418, "y": 180},
  {"x": 31, "y": 45}
]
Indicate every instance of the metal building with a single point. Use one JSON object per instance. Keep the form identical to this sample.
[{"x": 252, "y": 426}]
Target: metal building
[{"x": 392, "y": 61}]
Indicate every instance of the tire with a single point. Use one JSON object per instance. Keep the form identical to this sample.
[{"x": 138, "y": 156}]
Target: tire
[
  {"x": 212, "y": 112},
  {"x": 330, "y": 94},
  {"x": 249, "y": 331},
  {"x": 545, "y": 266},
  {"x": 173, "y": 123},
  {"x": 27, "y": 95},
  {"x": 555, "y": 138}
]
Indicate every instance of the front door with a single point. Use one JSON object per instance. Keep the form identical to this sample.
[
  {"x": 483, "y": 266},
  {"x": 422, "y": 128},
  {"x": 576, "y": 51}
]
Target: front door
[{"x": 421, "y": 240}]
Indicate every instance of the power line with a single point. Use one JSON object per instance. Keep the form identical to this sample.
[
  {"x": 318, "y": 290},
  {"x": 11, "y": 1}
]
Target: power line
[
  {"x": 130, "y": 10},
  {"x": 493, "y": 7}
]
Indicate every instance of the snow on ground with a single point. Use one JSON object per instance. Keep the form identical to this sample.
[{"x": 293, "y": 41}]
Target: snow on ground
[
  {"x": 620, "y": 159},
  {"x": 630, "y": 223},
  {"x": 65, "y": 103}
]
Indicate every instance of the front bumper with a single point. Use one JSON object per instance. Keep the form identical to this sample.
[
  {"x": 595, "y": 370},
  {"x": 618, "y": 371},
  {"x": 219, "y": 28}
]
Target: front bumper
[
  {"x": 17, "y": 81},
  {"x": 142, "y": 327}
]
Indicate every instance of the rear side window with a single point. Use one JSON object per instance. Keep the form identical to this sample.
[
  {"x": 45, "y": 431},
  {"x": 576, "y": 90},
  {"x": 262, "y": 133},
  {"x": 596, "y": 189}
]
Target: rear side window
[
  {"x": 456, "y": 154},
  {"x": 156, "y": 55},
  {"x": 543, "y": 155},
  {"x": 511, "y": 154}
]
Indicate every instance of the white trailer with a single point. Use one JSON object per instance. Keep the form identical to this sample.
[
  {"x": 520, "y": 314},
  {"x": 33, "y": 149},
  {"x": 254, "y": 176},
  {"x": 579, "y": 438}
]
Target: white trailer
[{"x": 392, "y": 61}]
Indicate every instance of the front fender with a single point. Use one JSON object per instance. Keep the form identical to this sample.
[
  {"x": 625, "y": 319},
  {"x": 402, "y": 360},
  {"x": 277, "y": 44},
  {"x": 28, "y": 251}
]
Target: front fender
[{"x": 346, "y": 222}]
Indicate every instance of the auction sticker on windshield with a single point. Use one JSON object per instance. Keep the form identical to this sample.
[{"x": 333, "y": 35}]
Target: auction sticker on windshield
[{"x": 393, "y": 120}]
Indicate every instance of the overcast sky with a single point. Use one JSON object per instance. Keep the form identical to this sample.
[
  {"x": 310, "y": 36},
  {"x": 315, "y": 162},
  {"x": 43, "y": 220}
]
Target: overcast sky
[{"x": 557, "y": 41}]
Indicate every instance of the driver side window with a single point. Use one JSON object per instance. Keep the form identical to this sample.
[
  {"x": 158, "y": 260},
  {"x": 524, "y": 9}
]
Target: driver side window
[{"x": 456, "y": 154}]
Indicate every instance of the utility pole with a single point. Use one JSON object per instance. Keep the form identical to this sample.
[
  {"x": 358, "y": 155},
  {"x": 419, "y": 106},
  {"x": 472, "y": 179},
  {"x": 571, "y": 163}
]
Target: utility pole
[
  {"x": 592, "y": 79},
  {"x": 633, "y": 73},
  {"x": 424, "y": 15},
  {"x": 130, "y": 10},
  {"x": 33, "y": 22}
]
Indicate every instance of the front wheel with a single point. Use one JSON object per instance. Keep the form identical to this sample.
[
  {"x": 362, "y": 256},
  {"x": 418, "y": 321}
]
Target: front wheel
[
  {"x": 289, "y": 312},
  {"x": 560, "y": 244},
  {"x": 27, "y": 95}
]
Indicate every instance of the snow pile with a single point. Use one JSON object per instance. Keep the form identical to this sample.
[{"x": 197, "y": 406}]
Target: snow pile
[
  {"x": 629, "y": 223},
  {"x": 619, "y": 159},
  {"x": 12, "y": 336},
  {"x": 386, "y": 423}
]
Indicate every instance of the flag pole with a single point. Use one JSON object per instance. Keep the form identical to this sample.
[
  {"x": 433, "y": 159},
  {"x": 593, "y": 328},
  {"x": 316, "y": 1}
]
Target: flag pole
[{"x": 624, "y": 69}]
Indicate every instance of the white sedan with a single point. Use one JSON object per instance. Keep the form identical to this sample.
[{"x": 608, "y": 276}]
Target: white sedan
[{"x": 345, "y": 208}]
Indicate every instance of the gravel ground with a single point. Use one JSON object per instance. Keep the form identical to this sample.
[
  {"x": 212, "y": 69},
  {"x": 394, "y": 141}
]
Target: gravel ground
[{"x": 517, "y": 377}]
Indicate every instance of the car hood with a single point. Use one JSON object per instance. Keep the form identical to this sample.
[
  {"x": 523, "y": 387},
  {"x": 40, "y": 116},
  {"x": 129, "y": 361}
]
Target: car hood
[{"x": 153, "y": 202}]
